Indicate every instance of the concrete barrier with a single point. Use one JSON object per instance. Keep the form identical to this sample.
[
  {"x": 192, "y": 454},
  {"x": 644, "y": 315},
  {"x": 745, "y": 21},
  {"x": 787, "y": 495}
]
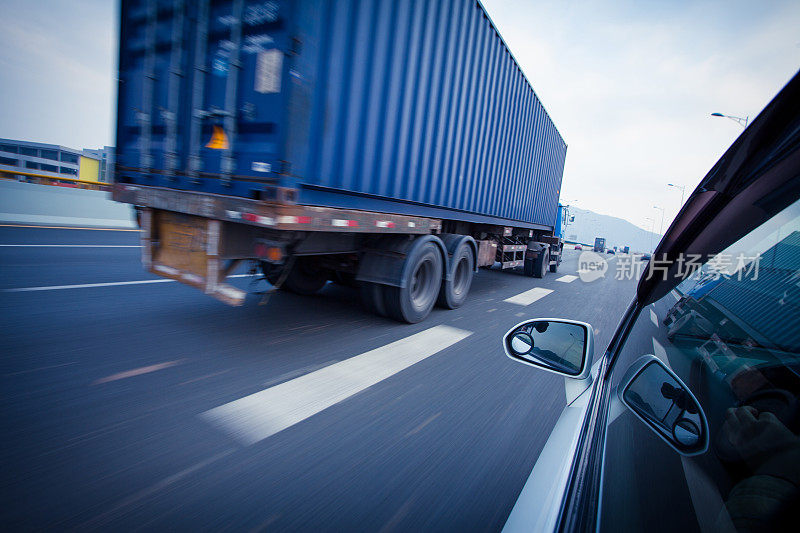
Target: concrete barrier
[{"x": 29, "y": 203}]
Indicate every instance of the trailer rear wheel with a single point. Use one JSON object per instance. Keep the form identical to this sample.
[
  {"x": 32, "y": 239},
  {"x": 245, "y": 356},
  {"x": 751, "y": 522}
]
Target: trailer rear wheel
[
  {"x": 421, "y": 279},
  {"x": 541, "y": 263},
  {"x": 454, "y": 291}
]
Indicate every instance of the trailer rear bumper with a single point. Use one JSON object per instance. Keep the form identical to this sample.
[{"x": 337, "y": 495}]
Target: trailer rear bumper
[
  {"x": 187, "y": 248},
  {"x": 274, "y": 216}
]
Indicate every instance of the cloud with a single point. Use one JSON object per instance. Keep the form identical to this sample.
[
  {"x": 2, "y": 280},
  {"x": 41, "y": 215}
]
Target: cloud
[{"x": 631, "y": 85}]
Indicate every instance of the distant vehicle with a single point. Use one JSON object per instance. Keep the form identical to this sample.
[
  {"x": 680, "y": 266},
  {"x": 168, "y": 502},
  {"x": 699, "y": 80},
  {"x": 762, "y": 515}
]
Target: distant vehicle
[
  {"x": 578, "y": 247},
  {"x": 626, "y": 250},
  {"x": 646, "y": 256},
  {"x": 611, "y": 251},
  {"x": 599, "y": 244},
  {"x": 689, "y": 419},
  {"x": 259, "y": 147}
]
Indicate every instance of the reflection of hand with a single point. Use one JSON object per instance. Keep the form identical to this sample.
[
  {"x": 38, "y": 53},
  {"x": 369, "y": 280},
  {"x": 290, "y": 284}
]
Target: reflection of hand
[
  {"x": 764, "y": 498},
  {"x": 752, "y": 433}
]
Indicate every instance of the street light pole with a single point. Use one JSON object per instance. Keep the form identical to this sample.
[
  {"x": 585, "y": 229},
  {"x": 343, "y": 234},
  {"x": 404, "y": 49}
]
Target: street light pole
[
  {"x": 650, "y": 235},
  {"x": 661, "y": 227},
  {"x": 739, "y": 120},
  {"x": 681, "y": 187}
]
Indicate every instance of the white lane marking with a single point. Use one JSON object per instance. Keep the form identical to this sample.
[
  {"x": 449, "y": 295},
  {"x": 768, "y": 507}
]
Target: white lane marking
[
  {"x": 260, "y": 415},
  {"x": 660, "y": 352},
  {"x": 528, "y": 297},
  {"x": 87, "y": 285},
  {"x": 137, "y": 371},
  {"x": 110, "y": 284},
  {"x": 66, "y": 227},
  {"x": 654, "y": 318},
  {"x": 70, "y": 245},
  {"x": 569, "y": 278}
]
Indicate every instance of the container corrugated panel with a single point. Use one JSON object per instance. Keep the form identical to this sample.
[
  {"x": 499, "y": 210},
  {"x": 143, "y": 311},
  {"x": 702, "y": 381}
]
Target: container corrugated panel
[
  {"x": 753, "y": 301},
  {"x": 405, "y": 106},
  {"x": 754, "y": 294}
]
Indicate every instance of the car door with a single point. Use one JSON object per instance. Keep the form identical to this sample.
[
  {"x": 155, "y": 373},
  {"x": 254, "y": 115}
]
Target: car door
[
  {"x": 689, "y": 420},
  {"x": 705, "y": 436},
  {"x": 731, "y": 334}
]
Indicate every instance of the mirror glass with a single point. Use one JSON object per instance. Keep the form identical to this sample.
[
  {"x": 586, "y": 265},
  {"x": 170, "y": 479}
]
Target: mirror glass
[
  {"x": 521, "y": 343},
  {"x": 559, "y": 346},
  {"x": 665, "y": 404}
]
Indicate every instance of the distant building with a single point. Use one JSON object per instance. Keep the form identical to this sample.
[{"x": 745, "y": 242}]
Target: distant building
[
  {"x": 106, "y": 157},
  {"x": 55, "y": 165}
]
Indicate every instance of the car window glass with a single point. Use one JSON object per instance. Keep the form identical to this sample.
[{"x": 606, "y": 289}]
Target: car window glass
[{"x": 731, "y": 333}]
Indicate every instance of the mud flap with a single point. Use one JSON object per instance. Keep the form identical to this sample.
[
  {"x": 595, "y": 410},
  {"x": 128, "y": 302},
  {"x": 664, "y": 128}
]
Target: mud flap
[{"x": 186, "y": 248}]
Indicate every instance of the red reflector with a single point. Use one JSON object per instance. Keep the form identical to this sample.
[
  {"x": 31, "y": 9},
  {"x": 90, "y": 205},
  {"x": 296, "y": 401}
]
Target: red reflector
[
  {"x": 352, "y": 223},
  {"x": 250, "y": 217},
  {"x": 304, "y": 220}
]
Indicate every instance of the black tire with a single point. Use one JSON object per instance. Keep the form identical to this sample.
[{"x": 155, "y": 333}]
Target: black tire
[
  {"x": 271, "y": 272},
  {"x": 345, "y": 279},
  {"x": 541, "y": 263},
  {"x": 423, "y": 276},
  {"x": 372, "y": 297},
  {"x": 304, "y": 278},
  {"x": 453, "y": 293}
]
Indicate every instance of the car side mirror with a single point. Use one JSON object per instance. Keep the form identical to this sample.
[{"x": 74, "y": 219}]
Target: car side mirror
[
  {"x": 659, "y": 398},
  {"x": 556, "y": 345}
]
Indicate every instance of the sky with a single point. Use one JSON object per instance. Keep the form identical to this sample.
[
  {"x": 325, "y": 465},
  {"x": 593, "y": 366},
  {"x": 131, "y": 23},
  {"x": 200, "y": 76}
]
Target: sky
[{"x": 629, "y": 84}]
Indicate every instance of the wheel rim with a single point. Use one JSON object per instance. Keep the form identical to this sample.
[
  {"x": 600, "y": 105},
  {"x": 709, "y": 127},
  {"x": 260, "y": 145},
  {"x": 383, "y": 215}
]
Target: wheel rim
[
  {"x": 421, "y": 284},
  {"x": 461, "y": 277}
]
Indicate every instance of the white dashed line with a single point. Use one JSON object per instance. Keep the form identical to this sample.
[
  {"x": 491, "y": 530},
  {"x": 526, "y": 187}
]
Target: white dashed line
[
  {"x": 654, "y": 318},
  {"x": 260, "y": 415},
  {"x": 70, "y": 245},
  {"x": 111, "y": 284},
  {"x": 528, "y": 297},
  {"x": 569, "y": 278},
  {"x": 660, "y": 352}
]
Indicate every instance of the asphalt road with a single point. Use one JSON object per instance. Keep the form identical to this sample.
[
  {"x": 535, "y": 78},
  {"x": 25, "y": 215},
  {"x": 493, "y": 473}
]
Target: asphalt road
[{"x": 123, "y": 403}]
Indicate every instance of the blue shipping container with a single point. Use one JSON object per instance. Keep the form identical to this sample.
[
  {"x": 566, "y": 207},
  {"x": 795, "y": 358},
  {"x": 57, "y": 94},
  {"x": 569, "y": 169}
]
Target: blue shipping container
[{"x": 405, "y": 106}]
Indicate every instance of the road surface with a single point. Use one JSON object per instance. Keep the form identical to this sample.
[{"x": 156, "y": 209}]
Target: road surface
[{"x": 134, "y": 402}]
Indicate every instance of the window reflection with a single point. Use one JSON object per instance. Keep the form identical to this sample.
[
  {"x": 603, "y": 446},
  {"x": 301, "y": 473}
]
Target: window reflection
[{"x": 733, "y": 336}]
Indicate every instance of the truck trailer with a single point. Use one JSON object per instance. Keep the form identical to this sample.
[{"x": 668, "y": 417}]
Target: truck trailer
[
  {"x": 393, "y": 146},
  {"x": 599, "y": 244}
]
